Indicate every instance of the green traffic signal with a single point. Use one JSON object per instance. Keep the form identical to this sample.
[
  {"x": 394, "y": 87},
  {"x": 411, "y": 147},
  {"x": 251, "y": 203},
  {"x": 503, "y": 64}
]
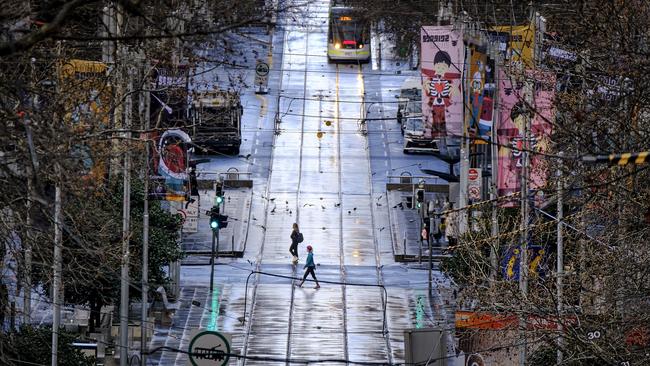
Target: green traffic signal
[
  {"x": 218, "y": 200},
  {"x": 214, "y": 224}
]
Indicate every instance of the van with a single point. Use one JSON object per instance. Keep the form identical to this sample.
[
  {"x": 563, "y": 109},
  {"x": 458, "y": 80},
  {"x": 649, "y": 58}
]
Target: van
[{"x": 410, "y": 91}]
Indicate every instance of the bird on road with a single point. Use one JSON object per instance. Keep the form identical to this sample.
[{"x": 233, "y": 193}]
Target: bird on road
[
  {"x": 272, "y": 199},
  {"x": 323, "y": 207},
  {"x": 307, "y": 204},
  {"x": 354, "y": 209},
  {"x": 337, "y": 205},
  {"x": 273, "y": 210},
  {"x": 380, "y": 196},
  {"x": 382, "y": 229}
]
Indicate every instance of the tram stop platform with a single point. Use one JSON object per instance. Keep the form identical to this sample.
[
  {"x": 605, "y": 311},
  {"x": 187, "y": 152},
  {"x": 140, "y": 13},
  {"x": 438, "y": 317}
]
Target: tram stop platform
[
  {"x": 406, "y": 224},
  {"x": 197, "y": 241}
]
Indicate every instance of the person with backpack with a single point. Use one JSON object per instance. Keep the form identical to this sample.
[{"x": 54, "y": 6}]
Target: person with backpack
[
  {"x": 296, "y": 238},
  {"x": 310, "y": 266}
]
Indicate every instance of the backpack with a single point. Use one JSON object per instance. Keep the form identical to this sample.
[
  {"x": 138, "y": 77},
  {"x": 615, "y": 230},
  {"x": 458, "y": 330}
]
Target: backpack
[{"x": 300, "y": 238}]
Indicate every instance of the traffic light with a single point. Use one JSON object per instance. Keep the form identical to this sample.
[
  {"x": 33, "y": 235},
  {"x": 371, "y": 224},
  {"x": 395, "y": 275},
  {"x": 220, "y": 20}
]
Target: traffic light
[
  {"x": 419, "y": 197},
  {"x": 214, "y": 218},
  {"x": 218, "y": 193}
]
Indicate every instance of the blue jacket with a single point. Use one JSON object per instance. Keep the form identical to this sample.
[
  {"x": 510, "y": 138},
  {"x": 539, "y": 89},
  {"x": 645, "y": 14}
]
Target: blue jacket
[{"x": 310, "y": 261}]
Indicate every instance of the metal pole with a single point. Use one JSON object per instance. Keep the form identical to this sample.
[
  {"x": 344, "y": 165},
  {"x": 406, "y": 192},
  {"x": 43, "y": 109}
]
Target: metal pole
[
  {"x": 494, "y": 170},
  {"x": 523, "y": 257},
  {"x": 560, "y": 264},
  {"x": 464, "y": 157},
  {"x": 126, "y": 227},
  {"x": 212, "y": 263},
  {"x": 56, "y": 285},
  {"x": 144, "y": 110}
]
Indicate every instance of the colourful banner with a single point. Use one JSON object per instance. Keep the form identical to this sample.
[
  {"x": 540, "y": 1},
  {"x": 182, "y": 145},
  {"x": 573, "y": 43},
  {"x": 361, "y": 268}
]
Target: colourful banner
[
  {"x": 511, "y": 260},
  {"x": 480, "y": 95},
  {"x": 87, "y": 101},
  {"x": 170, "y": 180},
  {"x": 514, "y": 114},
  {"x": 443, "y": 59},
  {"x": 516, "y": 43}
]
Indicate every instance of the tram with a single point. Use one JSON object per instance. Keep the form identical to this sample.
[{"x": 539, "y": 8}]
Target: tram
[{"x": 348, "y": 36}]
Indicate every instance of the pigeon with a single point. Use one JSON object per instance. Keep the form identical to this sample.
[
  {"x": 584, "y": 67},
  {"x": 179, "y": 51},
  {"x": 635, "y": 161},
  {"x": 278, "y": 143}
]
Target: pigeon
[
  {"x": 247, "y": 156},
  {"x": 254, "y": 218},
  {"x": 349, "y": 212},
  {"x": 263, "y": 227},
  {"x": 337, "y": 205},
  {"x": 272, "y": 199},
  {"x": 323, "y": 207},
  {"x": 380, "y": 196},
  {"x": 286, "y": 202},
  {"x": 290, "y": 212},
  {"x": 382, "y": 229},
  {"x": 321, "y": 198},
  {"x": 354, "y": 209},
  {"x": 378, "y": 204},
  {"x": 273, "y": 210},
  {"x": 307, "y": 204}
]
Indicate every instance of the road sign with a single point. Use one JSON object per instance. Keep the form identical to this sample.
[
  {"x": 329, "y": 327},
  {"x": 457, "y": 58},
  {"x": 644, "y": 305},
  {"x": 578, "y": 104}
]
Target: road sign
[
  {"x": 209, "y": 348},
  {"x": 474, "y": 180},
  {"x": 262, "y": 68},
  {"x": 190, "y": 217},
  {"x": 261, "y": 77}
]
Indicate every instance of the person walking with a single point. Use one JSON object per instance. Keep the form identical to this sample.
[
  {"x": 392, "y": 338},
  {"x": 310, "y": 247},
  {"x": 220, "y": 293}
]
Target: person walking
[
  {"x": 296, "y": 238},
  {"x": 310, "y": 266}
]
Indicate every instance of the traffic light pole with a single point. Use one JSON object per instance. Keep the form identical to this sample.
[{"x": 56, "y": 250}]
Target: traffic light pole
[{"x": 215, "y": 234}]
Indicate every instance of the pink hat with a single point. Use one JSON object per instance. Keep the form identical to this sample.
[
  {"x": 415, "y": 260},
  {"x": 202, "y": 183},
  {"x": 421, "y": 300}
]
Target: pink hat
[{"x": 309, "y": 248}]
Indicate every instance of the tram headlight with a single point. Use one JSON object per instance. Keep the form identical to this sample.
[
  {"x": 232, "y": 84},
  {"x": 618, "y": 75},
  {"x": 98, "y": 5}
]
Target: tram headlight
[
  {"x": 360, "y": 45},
  {"x": 337, "y": 45}
]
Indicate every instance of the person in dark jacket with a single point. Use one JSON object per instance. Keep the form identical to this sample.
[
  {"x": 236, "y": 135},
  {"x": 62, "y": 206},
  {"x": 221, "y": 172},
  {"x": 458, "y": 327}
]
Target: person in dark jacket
[
  {"x": 310, "y": 266},
  {"x": 295, "y": 239}
]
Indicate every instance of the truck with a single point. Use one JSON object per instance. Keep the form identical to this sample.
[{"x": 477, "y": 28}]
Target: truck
[
  {"x": 415, "y": 136},
  {"x": 216, "y": 122},
  {"x": 410, "y": 91}
]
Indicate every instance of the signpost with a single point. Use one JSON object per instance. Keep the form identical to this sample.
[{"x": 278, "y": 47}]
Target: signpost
[
  {"x": 209, "y": 348},
  {"x": 474, "y": 180},
  {"x": 261, "y": 77}
]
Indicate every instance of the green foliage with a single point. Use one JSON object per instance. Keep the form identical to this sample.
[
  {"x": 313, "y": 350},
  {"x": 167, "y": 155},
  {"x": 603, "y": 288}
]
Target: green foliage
[
  {"x": 30, "y": 344},
  {"x": 92, "y": 249}
]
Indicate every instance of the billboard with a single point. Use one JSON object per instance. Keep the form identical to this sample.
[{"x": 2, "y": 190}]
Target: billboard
[
  {"x": 513, "y": 116},
  {"x": 87, "y": 96},
  {"x": 516, "y": 43},
  {"x": 442, "y": 64},
  {"x": 480, "y": 95},
  {"x": 169, "y": 180}
]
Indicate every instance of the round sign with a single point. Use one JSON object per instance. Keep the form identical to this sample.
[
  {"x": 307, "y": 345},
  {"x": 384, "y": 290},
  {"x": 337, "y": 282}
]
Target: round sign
[
  {"x": 209, "y": 348},
  {"x": 262, "y": 69},
  {"x": 472, "y": 174},
  {"x": 474, "y": 193}
]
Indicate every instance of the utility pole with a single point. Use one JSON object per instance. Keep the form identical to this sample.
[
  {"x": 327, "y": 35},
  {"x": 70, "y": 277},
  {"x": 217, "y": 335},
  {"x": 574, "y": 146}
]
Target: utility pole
[
  {"x": 125, "y": 70},
  {"x": 58, "y": 241},
  {"x": 56, "y": 284},
  {"x": 464, "y": 149},
  {"x": 494, "y": 149},
  {"x": 144, "y": 117},
  {"x": 560, "y": 261}
]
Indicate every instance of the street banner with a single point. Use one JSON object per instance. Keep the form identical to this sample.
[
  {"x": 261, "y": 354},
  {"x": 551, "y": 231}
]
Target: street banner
[
  {"x": 480, "y": 95},
  {"x": 514, "y": 114},
  {"x": 516, "y": 43},
  {"x": 86, "y": 94},
  {"x": 443, "y": 59},
  {"x": 170, "y": 180},
  {"x": 511, "y": 260}
]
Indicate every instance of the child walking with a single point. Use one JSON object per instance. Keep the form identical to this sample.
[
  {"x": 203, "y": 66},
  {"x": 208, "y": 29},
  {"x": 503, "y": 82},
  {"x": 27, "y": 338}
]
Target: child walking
[{"x": 310, "y": 266}]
